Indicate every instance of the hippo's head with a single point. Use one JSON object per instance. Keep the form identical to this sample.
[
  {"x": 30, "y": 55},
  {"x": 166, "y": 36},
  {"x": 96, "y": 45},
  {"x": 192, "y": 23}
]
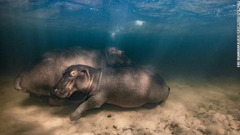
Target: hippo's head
[
  {"x": 38, "y": 79},
  {"x": 116, "y": 57},
  {"x": 75, "y": 78}
]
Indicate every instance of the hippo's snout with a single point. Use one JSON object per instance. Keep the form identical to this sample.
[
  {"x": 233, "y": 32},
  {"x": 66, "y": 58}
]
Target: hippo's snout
[
  {"x": 59, "y": 93},
  {"x": 18, "y": 84},
  {"x": 52, "y": 91}
]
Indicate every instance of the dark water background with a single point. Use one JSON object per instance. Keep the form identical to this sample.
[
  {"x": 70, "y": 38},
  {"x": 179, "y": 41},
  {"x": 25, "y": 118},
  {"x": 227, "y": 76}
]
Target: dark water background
[{"x": 179, "y": 38}]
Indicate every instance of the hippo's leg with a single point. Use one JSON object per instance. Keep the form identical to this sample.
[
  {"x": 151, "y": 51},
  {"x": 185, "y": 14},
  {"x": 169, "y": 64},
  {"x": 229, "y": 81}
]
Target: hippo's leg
[{"x": 88, "y": 104}]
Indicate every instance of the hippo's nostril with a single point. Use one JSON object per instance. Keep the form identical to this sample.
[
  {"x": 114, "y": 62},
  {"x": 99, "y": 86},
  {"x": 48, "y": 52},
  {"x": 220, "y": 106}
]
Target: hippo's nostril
[{"x": 61, "y": 92}]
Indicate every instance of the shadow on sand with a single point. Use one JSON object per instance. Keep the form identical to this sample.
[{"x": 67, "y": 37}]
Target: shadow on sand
[{"x": 69, "y": 106}]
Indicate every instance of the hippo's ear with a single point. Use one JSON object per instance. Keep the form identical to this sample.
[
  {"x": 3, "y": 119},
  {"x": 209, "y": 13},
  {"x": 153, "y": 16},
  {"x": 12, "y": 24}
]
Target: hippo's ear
[
  {"x": 82, "y": 72},
  {"x": 113, "y": 50},
  {"x": 120, "y": 52}
]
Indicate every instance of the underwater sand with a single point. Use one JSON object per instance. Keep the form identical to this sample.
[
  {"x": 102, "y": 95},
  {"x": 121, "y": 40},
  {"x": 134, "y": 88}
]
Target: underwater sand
[{"x": 196, "y": 106}]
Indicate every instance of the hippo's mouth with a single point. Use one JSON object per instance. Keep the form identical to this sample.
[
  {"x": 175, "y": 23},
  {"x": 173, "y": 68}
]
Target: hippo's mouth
[
  {"x": 70, "y": 85},
  {"x": 61, "y": 93},
  {"x": 64, "y": 93},
  {"x": 69, "y": 92}
]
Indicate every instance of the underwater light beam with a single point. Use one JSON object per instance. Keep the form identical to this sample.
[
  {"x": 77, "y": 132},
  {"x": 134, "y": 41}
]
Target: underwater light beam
[{"x": 139, "y": 22}]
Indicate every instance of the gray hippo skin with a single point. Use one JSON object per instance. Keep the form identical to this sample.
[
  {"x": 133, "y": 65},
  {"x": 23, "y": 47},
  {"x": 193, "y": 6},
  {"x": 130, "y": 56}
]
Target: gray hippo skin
[
  {"x": 130, "y": 86},
  {"x": 41, "y": 77}
]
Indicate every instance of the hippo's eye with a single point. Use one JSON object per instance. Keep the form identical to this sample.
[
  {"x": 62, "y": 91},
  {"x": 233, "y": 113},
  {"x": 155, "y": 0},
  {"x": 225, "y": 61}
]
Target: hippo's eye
[{"x": 73, "y": 73}]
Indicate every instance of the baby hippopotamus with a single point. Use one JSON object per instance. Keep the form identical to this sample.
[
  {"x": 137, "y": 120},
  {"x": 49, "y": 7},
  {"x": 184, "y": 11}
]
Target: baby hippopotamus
[{"x": 130, "y": 86}]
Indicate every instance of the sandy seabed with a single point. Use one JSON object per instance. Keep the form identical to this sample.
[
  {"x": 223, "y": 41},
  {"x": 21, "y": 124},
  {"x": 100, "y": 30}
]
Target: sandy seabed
[{"x": 196, "y": 106}]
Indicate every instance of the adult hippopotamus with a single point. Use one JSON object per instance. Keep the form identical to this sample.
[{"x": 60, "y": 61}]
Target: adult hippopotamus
[
  {"x": 131, "y": 86},
  {"x": 41, "y": 77}
]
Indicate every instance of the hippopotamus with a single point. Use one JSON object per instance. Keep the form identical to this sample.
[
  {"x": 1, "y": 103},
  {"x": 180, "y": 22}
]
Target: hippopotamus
[
  {"x": 41, "y": 77},
  {"x": 130, "y": 86}
]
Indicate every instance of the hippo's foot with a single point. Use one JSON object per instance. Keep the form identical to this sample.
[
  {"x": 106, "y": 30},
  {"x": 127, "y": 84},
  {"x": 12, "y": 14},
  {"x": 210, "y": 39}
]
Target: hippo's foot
[
  {"x": 75, "y": 116},
  {"x": 88, "y": 104}
]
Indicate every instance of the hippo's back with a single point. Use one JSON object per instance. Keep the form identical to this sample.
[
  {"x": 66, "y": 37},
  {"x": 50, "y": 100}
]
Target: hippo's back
[{"x": 131, "y": 86}]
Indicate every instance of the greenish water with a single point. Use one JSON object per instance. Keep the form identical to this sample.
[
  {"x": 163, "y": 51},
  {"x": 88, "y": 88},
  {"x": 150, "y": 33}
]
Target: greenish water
[{"x": 177, "y": 37}]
